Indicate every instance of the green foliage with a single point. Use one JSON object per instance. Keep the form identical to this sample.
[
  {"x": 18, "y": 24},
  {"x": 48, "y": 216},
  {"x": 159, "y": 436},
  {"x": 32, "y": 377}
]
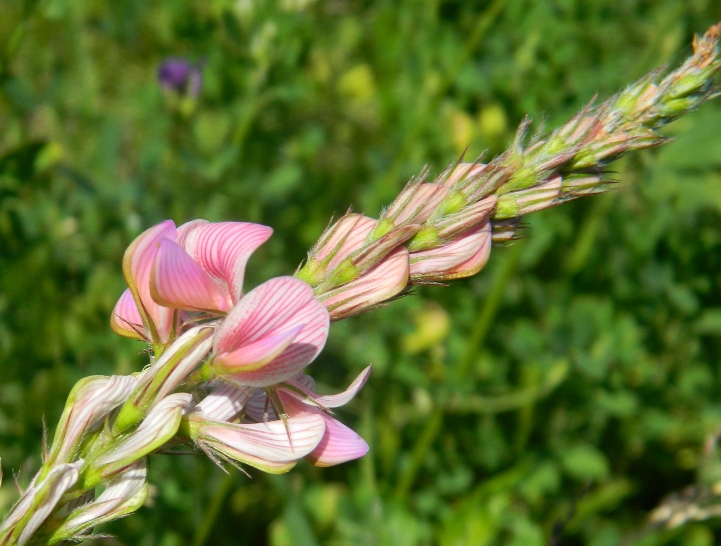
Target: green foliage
[{"x": 558, "y": 396}]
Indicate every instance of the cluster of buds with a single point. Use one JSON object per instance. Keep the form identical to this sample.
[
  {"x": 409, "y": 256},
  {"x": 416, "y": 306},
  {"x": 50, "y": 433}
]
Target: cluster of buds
[
  {"x": 443, "y": 230},
  {"x": 226, "y": 377}
]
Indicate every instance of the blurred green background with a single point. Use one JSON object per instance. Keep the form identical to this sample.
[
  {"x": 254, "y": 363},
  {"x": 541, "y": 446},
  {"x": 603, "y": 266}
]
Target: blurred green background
[{"x": 556, "y": 398}]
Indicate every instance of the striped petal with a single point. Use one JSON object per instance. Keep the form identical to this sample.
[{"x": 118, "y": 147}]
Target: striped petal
[
  {"x": 126, "y": 319},
  {"x": 331, "y": 400},
  {"x": 137, "y": 264},
  {"x": 269, "y": 312},
  {"x": 177, "y": 281},
  {"x": 259, "y": 353},
  {"x": 339, "y": 443},
  {"x": 222, "y": 249},
  {"x": 274, "y": 446},
  {"x": 225, "y": 402}
]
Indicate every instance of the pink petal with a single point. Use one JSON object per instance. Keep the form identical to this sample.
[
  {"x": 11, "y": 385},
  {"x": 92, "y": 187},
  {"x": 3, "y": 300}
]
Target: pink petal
[
  {"x": 223, "y": 249},
  {"x": 340, "y": 444},
  {"x": 461, "y": 258},
  {"x": 177, "y": 281},
  {"x": 332, "y": 400},
  {"x": 271, "y": 446},
  {"x": 186, "y": 229},
  {"x": 259, "y": 353},
  {"x": 137, "y": 264},
  {"x": 272, "y": 308},
  {"x": 126, "y": 319}
]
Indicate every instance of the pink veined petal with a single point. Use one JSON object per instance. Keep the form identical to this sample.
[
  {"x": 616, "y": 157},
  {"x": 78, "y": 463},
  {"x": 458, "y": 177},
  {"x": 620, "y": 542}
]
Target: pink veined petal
[
  {"x": 186, "y": 229},
  {"x": 137, "y": 264},
  {"x": 331, "y": 400},
  {"x": 339, "y": 443},
  {"x": 270, "y": 446},
  {"x": 259, "y": 353},
  {"x": 222, "y": 249},
  {"x": 177, "y": 281},
  {"x": 275, "y": 306},
  {"x": 126, "y": 319}
]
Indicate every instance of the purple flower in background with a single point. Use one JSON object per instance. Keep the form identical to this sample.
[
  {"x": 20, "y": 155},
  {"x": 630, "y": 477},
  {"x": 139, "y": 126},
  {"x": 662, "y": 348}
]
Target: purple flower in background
[{"x": 181, "y": 76}]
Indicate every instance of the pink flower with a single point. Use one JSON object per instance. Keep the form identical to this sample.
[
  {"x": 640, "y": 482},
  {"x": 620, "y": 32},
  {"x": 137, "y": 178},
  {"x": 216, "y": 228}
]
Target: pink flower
[
  {"x": 198, "y": 268},
  {"x": 275, "y": 331}
]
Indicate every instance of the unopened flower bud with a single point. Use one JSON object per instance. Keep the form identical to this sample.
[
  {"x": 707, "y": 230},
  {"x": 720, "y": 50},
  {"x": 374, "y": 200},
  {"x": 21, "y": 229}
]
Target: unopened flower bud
[
  {"x": 461, "y": 174},
  {"x": 460, "y": 258},
  {"x": 447, "y": 228},
  {"x": 375, "y": 286},
  {"x": 175, "y": 364},
  {"x": 124, "y": 494},
  {"x": 38, "y": 502},
  {"x": 518, "y": 203},
  {"x": 89, "y": 403},
  {"x": 416, "y": 203},
  {"x": 156, "y": 430},
  {"x": 368, "y": 257},
  {"x": 335, "y": 245},
  {"x": 505, "y": 231}
]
